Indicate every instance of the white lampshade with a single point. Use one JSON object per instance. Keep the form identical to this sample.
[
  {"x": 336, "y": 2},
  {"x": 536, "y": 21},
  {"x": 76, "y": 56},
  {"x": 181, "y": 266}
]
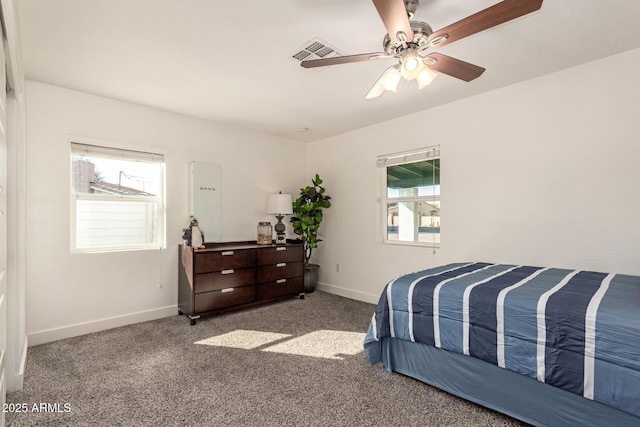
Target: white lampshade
[{"x": 280, "y": 204}]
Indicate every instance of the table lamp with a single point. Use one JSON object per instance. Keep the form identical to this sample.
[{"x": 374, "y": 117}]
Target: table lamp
[{"x": 280, "y": 205}]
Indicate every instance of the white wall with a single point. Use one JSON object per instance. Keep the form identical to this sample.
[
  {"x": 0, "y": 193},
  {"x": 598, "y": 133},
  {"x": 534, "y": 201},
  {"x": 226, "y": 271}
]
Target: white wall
[
  {"x": 546, "y": 172},
  {"x": 72, "y": 294}
]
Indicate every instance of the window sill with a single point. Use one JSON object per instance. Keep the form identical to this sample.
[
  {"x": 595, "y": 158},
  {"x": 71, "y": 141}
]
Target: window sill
[
  {"x": 416, "y": 244},
  {"x": 116, "y": 249}
]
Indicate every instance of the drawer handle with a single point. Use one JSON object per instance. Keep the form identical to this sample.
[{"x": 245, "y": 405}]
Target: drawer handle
[
  {"x": 227, "y": 272},
  {"x": 282, "y": 264},
  {"x": 281, "y": 280},
  {"x": 282, "y": 248},
  {"x": 226, "y": 290},
  {"x": 225, "y": 253}
]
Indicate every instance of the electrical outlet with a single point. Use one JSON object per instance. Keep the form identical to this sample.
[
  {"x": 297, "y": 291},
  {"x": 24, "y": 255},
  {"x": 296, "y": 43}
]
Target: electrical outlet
[{"x": 338, "y": 268}]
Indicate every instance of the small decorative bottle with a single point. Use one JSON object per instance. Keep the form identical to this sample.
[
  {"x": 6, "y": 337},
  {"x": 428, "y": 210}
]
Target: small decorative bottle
[{"x": 265, "y": 233}]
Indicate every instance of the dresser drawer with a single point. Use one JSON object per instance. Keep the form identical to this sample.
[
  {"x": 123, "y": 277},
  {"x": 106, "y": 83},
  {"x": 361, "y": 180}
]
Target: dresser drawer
[
  {"x": 280, "y": 288},
  {"x": 231, "y": 278},
  {"x": 208, "y": 301},
  {"x": 283, "y": 270},
  {"x": 224, "y": 260},
  {"x": 275, "y": 255}
]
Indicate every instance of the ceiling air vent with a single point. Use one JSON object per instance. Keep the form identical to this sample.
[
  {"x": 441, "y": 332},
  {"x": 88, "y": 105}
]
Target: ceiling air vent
[{"x": 316, "y": 49}]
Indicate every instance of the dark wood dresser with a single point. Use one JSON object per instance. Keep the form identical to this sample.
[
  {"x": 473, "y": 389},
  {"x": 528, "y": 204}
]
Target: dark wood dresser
[{"x": 234, "y": 275}]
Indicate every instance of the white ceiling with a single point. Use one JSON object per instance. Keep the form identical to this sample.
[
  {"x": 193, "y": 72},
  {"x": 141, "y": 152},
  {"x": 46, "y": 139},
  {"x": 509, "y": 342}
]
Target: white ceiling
[{"x": 231, "y": 61}]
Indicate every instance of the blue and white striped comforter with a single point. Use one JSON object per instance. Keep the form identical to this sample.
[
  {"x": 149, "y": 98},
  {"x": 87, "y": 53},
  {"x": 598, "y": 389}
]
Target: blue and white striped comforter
[{"x": 577, "y": 330}]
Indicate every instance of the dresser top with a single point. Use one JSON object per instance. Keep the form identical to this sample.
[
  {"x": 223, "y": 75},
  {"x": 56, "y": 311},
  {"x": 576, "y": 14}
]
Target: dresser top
[{"x": 249, "y": 244}]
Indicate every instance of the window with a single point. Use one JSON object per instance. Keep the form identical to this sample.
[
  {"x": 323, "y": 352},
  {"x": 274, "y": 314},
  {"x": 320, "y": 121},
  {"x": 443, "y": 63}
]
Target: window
[
  {"x": 411, "y": 198},
  {"x": 117, "y": 199}
]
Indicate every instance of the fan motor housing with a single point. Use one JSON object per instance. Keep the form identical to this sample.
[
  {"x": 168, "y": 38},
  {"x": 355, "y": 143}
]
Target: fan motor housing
[{"x": 421, "y": 32}]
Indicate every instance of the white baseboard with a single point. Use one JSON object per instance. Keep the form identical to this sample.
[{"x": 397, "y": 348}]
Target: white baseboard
[
  {"x": 348, "y": 293},
  {"x": 50, "y": 335}
]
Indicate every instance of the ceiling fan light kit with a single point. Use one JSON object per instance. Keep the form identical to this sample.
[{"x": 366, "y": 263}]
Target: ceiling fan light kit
[
  {"x": 409, "y": 41},
  {"x": 411, "y": 67}
]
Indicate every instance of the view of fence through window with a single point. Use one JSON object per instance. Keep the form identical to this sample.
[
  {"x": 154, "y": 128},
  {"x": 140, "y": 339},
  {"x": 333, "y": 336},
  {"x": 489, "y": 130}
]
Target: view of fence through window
[{"x": 116, "y": 202}]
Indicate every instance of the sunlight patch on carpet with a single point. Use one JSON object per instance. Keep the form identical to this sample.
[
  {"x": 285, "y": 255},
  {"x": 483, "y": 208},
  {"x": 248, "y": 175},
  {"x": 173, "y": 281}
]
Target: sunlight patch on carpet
[
  {"x": 243, "y": 339},
  {"x": 325, "y": 344}
]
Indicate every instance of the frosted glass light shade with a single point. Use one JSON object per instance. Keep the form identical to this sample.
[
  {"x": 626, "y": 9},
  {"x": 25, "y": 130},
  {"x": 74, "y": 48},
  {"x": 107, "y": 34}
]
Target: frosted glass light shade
[
  {"x": 388, "y": 81},
  {"x": 425, "y": 77},
  {"x": 411, "y": 65},
  {"x": 279, "y": 204}
]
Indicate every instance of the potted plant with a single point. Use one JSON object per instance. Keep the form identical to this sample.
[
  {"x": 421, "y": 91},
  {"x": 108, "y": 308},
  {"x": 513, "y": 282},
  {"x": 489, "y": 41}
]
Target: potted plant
[{"x": 306, "y": 219}]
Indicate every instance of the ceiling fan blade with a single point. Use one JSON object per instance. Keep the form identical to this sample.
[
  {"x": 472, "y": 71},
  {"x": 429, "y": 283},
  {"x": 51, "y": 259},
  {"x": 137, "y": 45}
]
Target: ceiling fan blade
[
  {"x": 313, "y": 63},
  {"x": 490, "y": 17},
  {"x": 395, "y": 18},
  {"x": 454, "y": 67}
]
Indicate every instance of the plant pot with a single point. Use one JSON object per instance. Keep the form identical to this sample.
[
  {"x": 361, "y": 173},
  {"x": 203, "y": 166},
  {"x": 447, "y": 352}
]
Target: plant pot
[{"x": 310, "y": 277}]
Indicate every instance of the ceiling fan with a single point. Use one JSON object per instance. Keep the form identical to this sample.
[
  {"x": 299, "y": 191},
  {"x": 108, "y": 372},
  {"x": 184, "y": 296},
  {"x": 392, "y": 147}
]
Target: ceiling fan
[{"x": 409, "y": 41}]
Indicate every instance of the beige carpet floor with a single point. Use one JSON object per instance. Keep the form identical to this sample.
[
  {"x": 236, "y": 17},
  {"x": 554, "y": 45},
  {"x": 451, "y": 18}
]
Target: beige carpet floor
[{"x": 293, "y": 363}]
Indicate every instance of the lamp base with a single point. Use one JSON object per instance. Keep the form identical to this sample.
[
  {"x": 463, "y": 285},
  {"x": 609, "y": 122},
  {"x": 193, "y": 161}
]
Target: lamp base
[{"x": 281, "y": 239}]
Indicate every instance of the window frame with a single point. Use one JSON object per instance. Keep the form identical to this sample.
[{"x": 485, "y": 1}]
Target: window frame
[
  {"x": 112, "y": 150},
  {"x": 397, "y": 159}
]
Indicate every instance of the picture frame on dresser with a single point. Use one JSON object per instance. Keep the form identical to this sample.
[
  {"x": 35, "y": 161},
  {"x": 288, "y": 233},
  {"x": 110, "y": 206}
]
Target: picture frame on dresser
[{"x": 229, "y": 276}]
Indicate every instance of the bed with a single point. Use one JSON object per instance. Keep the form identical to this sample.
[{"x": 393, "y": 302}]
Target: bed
[{"x": 547, "y": 346}]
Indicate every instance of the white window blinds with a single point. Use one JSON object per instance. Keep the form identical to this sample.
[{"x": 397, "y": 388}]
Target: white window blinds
[
  {"x": 82, "y": 149},
  {"x": 413, "y": 156}
]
